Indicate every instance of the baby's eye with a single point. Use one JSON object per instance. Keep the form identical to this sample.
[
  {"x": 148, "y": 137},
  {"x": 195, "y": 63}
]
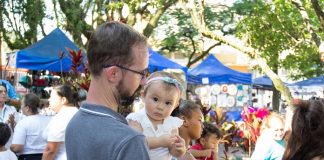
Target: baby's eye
[
  {"x": 168, "y": 103},
  {"x": 155, "y": 99}
]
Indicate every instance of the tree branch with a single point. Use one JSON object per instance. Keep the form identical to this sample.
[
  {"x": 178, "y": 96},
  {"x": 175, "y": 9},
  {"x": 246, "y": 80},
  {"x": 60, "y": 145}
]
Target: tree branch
[
  {"x": 319, "y": 12},
  {"x": 309, "y": 27},
  {"x": 155, "y": 18}
]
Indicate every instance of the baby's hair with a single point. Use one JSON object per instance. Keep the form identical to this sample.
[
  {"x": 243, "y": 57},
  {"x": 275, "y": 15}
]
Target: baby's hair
[
  {"x": 266, "y": 120},
  {"x": 185, "y": 108},
  {"x": 5, "y": 134},
  {"x": 210, "y": 129},
  {"x": 168, "y": 79}
]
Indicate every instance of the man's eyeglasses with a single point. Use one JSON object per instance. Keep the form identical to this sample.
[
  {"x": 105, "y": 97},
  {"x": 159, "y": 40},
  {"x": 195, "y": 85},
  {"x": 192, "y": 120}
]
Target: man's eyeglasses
[{"x": 143, "y": 73}]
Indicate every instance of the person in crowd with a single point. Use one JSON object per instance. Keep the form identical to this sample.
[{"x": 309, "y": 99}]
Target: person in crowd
[
  {"x": 118, "y": 61},
  {"x": 306, "y": 140},
  {"x": 207, "y": 146},
  {"x": 27, "y": 140},
  {"x": 5, "y": 133},
  {"x": 270, "y": 144},
  {"x": 62, "y": 101},
  {"x": 161, "y": 96},
  {"x": 192, "y": 126},
  {"x": 8, "y": 114}
]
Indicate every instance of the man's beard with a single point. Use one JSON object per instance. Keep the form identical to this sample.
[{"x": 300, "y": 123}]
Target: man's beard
[{"x": 126, "y": 99}]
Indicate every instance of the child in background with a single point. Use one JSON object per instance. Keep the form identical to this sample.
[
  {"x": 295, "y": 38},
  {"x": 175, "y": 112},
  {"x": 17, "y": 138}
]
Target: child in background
[
  {"x": 161, "y": 96},
  {"x": 5, "y": 133},
  {"x": 207, "y": 146},
  {"x": 192, "y": 127},
  {"x": 270, "y": 145}
]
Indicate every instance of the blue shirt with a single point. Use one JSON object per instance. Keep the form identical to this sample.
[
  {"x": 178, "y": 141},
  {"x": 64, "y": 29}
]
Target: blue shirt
[
  {"x": 99, "y": 133},
  {"x": 267, "y": 148}
]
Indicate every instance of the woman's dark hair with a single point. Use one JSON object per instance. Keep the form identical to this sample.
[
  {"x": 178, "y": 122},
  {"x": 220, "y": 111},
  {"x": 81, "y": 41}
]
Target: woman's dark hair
[
  {"x": 306, "y": 140},
  {"x": 68, "y": 92},
  {"x": 32, "y": 101},
  {"x": 210, "y": 129},
  {"x": 185, "y": 108},
  {"x": 5, "y": 134}
]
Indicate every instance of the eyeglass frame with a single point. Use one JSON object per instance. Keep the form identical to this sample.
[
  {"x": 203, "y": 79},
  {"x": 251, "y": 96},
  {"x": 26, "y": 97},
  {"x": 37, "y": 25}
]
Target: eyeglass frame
[{"x": 143, "y": 73}]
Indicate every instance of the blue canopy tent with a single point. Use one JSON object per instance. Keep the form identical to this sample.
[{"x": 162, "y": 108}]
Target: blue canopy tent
[
  {"x": 263, "y": 82},
  {"x": 216, "y": 73},
  {"x": 158, "y": 62},
  {"x": 44, "y": 55},
  {"x": 317, "y": 81}
]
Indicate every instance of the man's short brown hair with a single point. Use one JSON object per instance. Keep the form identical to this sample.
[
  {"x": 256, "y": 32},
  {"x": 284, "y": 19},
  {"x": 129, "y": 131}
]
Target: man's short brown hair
[{"x": 111, "y": 44}]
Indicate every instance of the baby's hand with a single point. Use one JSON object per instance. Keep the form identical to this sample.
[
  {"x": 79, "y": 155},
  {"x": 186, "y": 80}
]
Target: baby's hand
[
  {"x": 135, "y": 125},
  {"x": 178, "y": 147},
  {"x": 167, "y": 140}
]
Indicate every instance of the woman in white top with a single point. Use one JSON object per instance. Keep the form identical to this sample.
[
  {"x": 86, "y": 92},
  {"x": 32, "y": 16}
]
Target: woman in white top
[
  {"x": 27, "y": 140},
  {"x": 62, "y": 101},
  {"x": 8, "y": 114}
]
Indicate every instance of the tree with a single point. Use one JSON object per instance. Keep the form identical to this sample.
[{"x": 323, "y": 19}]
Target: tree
[
  {"x": 196, "y": 9},
  {"x": 20, "y": 22},
  {"x": 185, "y": 39},
  {"x": 140, "y": 13},
  {"x": 277, "y": 27}
]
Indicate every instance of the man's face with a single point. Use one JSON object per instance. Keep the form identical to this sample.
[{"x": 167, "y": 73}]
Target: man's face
[{"x": 131, "y": 81}]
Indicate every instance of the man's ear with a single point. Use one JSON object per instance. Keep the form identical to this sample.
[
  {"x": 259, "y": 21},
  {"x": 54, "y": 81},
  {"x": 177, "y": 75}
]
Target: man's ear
[{"x": 113, "y": 74}]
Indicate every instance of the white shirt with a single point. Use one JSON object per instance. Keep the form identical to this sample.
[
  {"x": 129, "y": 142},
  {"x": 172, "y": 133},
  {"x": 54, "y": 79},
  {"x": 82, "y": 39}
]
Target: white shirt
[
  {"x": 6, "y": 111},
  {"x": 29, "y": 131},
  {"x": 168, "y": 125},
  {"x": 4, "y": 116},
  {"x": 55, "y": 131},
  {"x": 7, "y": 155}
]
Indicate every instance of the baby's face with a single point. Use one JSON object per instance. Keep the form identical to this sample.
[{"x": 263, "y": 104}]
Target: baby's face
[
  {"x": 210, "y": 142},
  {"x": 277, "y": 128}
]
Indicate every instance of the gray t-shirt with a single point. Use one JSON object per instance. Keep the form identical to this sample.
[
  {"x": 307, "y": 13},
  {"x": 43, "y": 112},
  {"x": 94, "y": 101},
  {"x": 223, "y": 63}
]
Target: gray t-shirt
[{"x": 97, "y": 132}]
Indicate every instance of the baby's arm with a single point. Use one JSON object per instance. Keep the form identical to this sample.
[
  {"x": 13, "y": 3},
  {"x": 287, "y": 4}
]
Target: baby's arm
[
  {"x": 135, "y": 125},
  {"x": 178, "y": 147},
  {"x": 165, "y": 140}
]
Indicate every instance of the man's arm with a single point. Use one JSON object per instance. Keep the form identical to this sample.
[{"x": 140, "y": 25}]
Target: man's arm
[{"x": 134, "y": 148}]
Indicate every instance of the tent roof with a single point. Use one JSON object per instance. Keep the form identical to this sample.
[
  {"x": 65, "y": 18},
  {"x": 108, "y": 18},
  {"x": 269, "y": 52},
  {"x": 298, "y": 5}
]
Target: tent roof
[
  {"x": 263, "y": 82},
  {"x": 158, "y": 62},
  {"x": 44, "y": 54},
  {"x": 317, "y": 81},
  {"x": 216, "y": 72}
]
